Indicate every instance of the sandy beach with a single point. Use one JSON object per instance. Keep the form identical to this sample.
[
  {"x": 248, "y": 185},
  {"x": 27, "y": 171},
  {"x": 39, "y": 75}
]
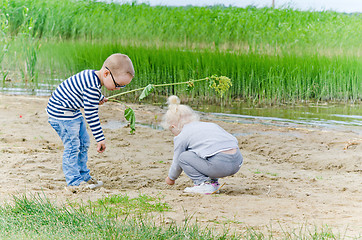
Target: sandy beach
[{"x": 292, "y": 177}]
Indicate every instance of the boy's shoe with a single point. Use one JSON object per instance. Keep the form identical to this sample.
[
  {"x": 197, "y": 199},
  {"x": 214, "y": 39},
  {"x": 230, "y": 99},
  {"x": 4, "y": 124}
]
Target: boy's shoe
[
  {"x": 93, "y": 184},
  {"x": 203, "y": 188},
  {"x": 77, "y": 189},
  {"x": 71, "y": 189}
]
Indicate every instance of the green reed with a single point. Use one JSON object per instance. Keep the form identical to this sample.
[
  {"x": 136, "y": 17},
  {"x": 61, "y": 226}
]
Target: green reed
[
  {"x": 230, "y": 27},
  {"x": 258, "y": 77},
  {"x": 271, "y": 55}
]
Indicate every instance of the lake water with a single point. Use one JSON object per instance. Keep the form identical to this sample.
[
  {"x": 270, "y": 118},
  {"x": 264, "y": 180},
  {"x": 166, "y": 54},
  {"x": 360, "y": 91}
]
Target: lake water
[{"x": 328, "y": 115}]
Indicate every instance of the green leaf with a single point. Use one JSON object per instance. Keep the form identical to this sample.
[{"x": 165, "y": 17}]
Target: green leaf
[
  {"x": 148, "y": 89},
  {"x": 131, "y": 118}
]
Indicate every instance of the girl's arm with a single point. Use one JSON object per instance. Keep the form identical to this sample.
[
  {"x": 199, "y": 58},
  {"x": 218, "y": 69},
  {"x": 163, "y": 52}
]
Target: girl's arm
[{"x": 169, "y": 181}]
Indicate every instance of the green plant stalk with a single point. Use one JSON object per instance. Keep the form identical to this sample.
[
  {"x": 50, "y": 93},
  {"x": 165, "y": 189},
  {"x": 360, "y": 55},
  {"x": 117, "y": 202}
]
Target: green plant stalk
[
  {"x": 156, "y": 85},
  {"x": 129, "y": 114}
]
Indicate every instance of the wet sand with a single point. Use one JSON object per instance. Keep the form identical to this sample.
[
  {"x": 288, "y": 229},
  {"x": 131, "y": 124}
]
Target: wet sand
[{"x": 292, "y": 177}]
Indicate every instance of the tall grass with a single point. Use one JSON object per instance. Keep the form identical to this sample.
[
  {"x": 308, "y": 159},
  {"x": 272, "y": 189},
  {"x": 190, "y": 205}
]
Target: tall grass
[
  {"x": 271, "y": 55},
  {"x": 218, "y": 25},
  {"x": 255, "y": 77}
]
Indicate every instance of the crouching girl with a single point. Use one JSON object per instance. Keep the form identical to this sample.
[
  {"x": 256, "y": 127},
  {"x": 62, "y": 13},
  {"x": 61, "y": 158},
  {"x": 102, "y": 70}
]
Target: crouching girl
[{"x": 203, "y": 150}]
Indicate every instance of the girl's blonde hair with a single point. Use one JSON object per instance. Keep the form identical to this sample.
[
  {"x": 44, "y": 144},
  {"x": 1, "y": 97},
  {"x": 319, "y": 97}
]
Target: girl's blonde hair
[{"x": 178, "y": 114}]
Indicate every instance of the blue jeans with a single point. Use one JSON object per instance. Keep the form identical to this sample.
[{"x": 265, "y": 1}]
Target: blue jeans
[{"x": 75, "y": 138}]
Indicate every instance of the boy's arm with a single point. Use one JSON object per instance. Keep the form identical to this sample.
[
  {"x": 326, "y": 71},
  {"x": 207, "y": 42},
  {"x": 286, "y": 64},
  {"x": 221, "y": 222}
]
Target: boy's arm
[
  {"x": 103, "y": 100},
  {"x": 101, "y": 146},
  {"x": 91, "y": 102}
]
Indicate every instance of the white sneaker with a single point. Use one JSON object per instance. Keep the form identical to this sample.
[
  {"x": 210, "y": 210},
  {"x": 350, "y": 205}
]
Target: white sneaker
[
  {"x": 216, "y": 186},
  {"x": 93, "y": 184},
  {"x": 203, "y": 188}
]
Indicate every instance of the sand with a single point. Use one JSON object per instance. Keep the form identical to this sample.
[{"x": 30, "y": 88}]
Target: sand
[{"x": 292, "y": 178}]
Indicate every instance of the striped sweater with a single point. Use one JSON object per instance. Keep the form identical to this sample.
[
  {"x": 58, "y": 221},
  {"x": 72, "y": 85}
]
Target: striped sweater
[{"x": 83, "y": 90}]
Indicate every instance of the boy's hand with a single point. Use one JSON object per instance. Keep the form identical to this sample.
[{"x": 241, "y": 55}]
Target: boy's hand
[
  {"x": 101, "y": 146},
  {"x": 103, "y": 101},
  {"x": 169, "y": 181}
]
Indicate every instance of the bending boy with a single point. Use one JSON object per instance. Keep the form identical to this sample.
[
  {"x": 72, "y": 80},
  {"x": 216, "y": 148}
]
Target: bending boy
[{"x": 83, "y": 90}]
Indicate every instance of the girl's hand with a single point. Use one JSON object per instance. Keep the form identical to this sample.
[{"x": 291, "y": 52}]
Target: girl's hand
[{"x": 169, "y": 181}]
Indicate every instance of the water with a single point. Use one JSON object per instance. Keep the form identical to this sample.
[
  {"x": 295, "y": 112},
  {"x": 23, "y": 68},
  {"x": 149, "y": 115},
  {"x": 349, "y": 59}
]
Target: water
[
  {"x": 328, "y": 115},
  {"x": 114, "y": 124},
  {"x": 42, "y": 89},
  {"x": 23, "y": 91}
]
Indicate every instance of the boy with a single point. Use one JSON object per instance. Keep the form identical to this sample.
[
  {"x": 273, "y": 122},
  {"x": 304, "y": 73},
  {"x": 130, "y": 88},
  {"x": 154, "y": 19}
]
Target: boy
[{"x": 83, "y": 90}]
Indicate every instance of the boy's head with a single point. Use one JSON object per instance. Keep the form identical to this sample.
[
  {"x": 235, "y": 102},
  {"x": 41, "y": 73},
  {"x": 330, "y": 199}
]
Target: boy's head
[{"x": 117, "y": 71}]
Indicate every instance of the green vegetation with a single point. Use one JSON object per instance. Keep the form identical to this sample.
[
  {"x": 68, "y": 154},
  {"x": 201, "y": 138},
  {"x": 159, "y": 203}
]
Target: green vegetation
[
  {"x": 123, "y": 204},
  {"x": 219, "y": 84},
  {"x": 38, "y": 218},
  {"x": 271, "y": 55},
  {"x": 119, "y": 217},
  {"x": 249, "y": 27}
]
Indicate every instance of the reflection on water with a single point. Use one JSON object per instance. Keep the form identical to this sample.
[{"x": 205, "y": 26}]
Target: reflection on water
[
  {"x": 328, "y": 115},
  {"x": 343, "y": 124},
  {"x": 349, "y": 114},
  {"x": 113, "y": 124},
  {"x": 290, "y": 117},
  {"x": 23, "y": 91},
  {"x": 323, "y": 115},
  {"x": 41, "y": 89}
]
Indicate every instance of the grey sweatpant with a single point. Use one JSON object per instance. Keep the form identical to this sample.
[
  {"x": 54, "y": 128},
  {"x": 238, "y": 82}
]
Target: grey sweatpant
[{"x": 214, "y": 167}]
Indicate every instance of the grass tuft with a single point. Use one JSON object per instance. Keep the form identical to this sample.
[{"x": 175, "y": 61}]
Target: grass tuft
[{"x": 36, "y": 217}]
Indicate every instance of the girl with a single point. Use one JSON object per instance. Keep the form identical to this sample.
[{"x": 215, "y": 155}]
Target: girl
[{"x": 203, "y": 150}]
